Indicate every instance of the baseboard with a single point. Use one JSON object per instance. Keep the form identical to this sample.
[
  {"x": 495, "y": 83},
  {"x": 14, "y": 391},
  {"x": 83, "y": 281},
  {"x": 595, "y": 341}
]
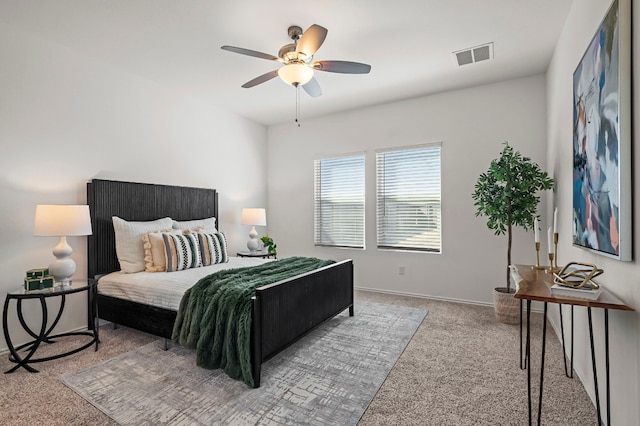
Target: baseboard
[{"x": 443, "y": 299}]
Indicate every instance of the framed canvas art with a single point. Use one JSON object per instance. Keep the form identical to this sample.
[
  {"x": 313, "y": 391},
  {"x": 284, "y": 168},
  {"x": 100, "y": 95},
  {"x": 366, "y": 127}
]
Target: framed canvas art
[{"x": 602, "y": 216}]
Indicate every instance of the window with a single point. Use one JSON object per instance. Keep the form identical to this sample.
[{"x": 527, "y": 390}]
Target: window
[
  {"x": 408, "y": 198},
  {"x": 339, "y": 201}
]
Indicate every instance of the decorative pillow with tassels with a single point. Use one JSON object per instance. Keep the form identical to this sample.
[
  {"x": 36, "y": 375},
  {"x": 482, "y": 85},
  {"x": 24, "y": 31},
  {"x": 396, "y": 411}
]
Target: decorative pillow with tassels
[
  {"x": 182, "y": 251},
  {"x": 213, "y": 247},
  {"x": 154, "y": 252}
]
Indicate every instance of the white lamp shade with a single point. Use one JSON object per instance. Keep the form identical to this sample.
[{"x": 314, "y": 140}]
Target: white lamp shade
[
  {"x": 61, "y": 220},
  {"x": 295, "y": 74},
  {"x": 256, "y": 217}
]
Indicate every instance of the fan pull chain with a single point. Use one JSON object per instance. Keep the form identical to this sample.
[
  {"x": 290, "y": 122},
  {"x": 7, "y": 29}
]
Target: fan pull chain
[{"x": 298, "y": 104}]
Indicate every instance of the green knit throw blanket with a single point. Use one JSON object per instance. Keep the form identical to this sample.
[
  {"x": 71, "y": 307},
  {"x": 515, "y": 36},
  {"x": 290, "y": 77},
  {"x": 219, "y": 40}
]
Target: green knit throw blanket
[{"x": 214, "y": 316}]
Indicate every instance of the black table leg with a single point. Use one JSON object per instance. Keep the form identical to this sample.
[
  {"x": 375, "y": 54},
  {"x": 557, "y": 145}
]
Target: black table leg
[
  {"x": 569, "y": 373},
  {"x": 606, "y": 348},
  {"x": 93, "y": 313},
  {"x": 572, "y": 341},
  {"x": 522, "y": 360},
  {"x": 63, "y": 299},
  {"x": 31, "y": 346},
  {"x": 26, "y": 327},
  {"x": 544, "y": 341},
  {"x": 593, "y": 362},
  {"x": 13, "y": 353},
  {"x": 564, "y": 356},
  {"x": 528, "y": 358}
]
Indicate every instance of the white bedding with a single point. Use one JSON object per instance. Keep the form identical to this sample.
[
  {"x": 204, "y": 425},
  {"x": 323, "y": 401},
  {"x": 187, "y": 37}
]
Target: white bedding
[{"x": 163, "y": 289}]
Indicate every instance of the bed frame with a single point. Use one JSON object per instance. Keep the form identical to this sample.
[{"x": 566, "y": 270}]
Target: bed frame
[{"x": 282, "y": 312}]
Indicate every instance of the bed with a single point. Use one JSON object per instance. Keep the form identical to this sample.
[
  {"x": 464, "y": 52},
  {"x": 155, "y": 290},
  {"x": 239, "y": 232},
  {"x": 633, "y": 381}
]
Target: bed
[{"x": 281, "y": 313}]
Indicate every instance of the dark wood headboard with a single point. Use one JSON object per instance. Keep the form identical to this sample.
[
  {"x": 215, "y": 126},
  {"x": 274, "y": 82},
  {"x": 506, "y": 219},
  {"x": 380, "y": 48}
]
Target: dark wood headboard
[{"x": 137, "y": 202}]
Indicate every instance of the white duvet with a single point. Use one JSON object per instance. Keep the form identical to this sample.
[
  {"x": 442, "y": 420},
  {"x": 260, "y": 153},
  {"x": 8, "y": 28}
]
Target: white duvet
[{"x": 163, "y": 289}]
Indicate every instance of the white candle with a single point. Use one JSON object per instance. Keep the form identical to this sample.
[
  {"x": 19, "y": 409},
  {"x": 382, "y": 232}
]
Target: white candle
[
  {"x": 555, "y": 221},
  {"x": 536, "y": 232},
  {"x": 550, "y": 239}
]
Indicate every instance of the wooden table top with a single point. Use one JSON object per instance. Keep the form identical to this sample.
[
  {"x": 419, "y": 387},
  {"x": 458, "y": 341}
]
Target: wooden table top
[{"x": 536, "y": 285}]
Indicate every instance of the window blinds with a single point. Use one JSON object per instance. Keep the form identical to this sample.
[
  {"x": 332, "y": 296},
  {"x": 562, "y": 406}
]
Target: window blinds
[
  {"x": 339, "y": 193},
  {"x": 408, "y": 198}
]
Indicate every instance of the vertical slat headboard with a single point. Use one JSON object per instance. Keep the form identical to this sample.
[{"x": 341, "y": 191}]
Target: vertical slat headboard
[{"x": 137, "y": 202}]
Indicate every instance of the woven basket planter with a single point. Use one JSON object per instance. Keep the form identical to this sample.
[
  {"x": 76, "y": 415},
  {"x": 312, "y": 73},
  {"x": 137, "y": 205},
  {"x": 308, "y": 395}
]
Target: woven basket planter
[{"x": 506, "y": 306}]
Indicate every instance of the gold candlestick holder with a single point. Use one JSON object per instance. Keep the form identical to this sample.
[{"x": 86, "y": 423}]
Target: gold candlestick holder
[
  {"x": 555, "y": 266},
  {"x": 537, "y": 265},
  {"x": 551, "y": 269}
]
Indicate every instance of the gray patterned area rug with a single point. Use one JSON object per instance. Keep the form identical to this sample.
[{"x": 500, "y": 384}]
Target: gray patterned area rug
[{"x": 329, "y": 377}]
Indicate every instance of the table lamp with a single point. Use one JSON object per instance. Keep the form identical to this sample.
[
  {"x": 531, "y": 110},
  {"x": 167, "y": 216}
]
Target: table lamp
[
  {"x": 254, "y": 217},
  {"x": 62, "y": 221}
]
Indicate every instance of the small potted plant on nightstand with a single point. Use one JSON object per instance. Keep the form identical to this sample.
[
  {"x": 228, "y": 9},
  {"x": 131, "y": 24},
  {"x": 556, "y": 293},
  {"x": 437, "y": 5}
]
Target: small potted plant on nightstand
[
  {"x": 268, "y": 243},
  {"x": 507, "y": 194}
]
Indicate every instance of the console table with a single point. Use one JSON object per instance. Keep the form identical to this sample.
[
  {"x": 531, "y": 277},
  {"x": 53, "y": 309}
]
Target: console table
[
  {"x": 535, "y": 284},
  {"x": 44, "y": 333}
]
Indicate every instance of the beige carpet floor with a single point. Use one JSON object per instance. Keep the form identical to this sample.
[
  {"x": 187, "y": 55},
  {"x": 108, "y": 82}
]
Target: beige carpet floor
[{"x": 460, "y": 368}]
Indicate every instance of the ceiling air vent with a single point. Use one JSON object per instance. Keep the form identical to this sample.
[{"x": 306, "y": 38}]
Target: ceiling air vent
[{"x": 474, "y": 54}]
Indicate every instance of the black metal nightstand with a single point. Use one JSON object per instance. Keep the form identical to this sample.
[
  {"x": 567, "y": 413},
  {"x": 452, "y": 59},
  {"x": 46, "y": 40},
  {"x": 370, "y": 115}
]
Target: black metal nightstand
[
  {"x": 262, "y": 254},
  {"x": 44, "y": 333}
]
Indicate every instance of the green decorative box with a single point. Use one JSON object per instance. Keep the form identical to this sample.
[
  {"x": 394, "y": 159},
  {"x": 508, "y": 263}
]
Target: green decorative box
[
  {"x": 37, "y": 273},
  {"x": 39, "y": 283}
]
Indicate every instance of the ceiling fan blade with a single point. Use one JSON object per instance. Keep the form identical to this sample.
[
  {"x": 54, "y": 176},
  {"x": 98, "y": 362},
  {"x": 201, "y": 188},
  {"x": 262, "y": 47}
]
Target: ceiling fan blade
[
  {"x": 311, "y": 40},
  {"x": 249, "y": 52},
  {"x": 312, "y": 88},
  {"x": 260, "y": 79},
  {"x": 343, "y": 67}
]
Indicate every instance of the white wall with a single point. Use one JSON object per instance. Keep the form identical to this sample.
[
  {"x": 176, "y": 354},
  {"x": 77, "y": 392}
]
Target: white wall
[
  {"x": 66, "y": 118},
  {"x": 472, "y": 125},
  {"x": 621, "y": 278}
]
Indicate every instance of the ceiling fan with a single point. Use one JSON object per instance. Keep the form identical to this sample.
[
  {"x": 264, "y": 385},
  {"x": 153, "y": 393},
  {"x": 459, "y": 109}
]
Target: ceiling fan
[{"x": 297, "y": 58}]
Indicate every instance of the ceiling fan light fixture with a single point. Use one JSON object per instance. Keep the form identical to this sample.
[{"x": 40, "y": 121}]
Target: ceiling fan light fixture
[{"x": 295, "y": 74}]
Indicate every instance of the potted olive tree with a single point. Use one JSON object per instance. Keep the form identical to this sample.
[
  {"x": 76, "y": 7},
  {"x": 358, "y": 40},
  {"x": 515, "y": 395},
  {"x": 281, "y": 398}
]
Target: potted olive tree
[{"x": 507, "y": 194}]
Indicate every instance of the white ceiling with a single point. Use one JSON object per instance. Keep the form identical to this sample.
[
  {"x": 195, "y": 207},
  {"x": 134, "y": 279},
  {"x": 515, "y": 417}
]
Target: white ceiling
[{"x": 408, "y": 43}]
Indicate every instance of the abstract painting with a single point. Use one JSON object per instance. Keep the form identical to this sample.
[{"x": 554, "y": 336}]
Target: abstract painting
[{"x": 602, "y": 139}]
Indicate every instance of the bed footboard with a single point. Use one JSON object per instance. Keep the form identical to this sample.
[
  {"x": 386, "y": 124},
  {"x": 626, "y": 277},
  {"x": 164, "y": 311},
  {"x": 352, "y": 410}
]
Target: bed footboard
[{"x": 284, "y": 312}]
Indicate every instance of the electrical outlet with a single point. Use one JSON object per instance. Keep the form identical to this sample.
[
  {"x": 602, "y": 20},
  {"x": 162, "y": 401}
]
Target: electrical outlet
[{"x": 401, "y": 270}]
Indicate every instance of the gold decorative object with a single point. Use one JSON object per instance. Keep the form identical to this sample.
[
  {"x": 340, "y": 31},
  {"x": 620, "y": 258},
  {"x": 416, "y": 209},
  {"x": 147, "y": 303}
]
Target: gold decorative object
[
  {"x": 578, "y": 275},
  {"x": 551, "y": 269},
  {"x": 555, "y": 251},
  {"x": 537, "y": 265}
]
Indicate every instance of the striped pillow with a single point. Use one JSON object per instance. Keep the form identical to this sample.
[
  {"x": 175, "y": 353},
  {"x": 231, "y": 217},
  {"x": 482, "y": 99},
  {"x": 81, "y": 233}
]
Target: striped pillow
[
  {"x": 181, "y": 251},
  {"x": 213, "y": 247}
]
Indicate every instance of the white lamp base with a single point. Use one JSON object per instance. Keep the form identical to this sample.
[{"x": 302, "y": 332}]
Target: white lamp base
[
  {"x": 63, "y": 267},
  {"x": 254, "y": 243}
]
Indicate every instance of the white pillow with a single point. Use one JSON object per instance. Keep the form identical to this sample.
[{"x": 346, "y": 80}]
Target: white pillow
[
  {"x": 196, "y": 225},
  {"x": 129, "y": 246}
]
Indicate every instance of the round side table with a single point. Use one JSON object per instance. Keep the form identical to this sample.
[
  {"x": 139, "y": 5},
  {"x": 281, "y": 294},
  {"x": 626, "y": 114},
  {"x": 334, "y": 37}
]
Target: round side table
[
  {"x": 44, "y": 333},
  {"x": 262, "y": 254}
]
